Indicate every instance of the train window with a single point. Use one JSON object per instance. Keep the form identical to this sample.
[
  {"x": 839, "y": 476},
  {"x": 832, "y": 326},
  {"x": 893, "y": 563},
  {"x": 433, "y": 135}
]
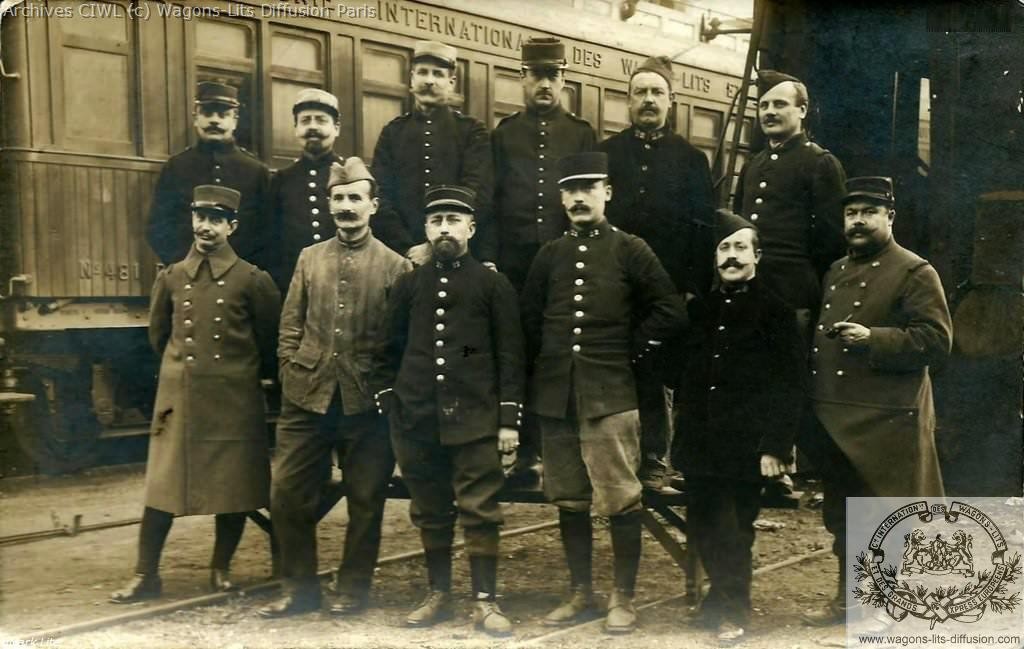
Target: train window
[
  {"x": 508, "y": 93},
  {"x": 458, "y": 99},
  {"x": 615, "y": 116},
  {"x": 682, "y": 123},
  {"x": 94, "y": 43},
  {"x": 385, "y": 90},
  {"x": 924, "y": 123},
  {"x": 296, "y": 52},
  {"x": 224, "y": 52},
  {"x": 221, "y": 38},
  {"x": 705, "y": 123},
  {"x": 730, "y": 130},
  {"x": 298, "y": 61},
  {"x": 571, "y": 97}
]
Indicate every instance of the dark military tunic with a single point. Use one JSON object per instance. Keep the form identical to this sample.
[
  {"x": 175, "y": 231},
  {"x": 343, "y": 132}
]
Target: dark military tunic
[
  {"x": 527, "y": 207},
  {"x": 416, "y": 152},
  {"x": 742, "y": 384},
  {"x": 213, "y": 318},
  {"x": 661, "y": 192},
  {"x": 452, "y": 351},
  {"x": 300, "y": 209},
  {"x": 169, "y": 231},
  {"x": 876, "y": 402},
  {"x": 591, "y": 301},
  {"x": 793, "y": 194}
]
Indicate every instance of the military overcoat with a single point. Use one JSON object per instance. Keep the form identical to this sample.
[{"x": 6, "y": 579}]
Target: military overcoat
[
  {"x": 876, "y": 403},
  {"x": 214, "y": 321}
]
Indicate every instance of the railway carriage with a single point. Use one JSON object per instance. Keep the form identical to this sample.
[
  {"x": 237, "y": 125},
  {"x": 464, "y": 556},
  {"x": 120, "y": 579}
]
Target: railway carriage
[{"x": 98, "y": 94}]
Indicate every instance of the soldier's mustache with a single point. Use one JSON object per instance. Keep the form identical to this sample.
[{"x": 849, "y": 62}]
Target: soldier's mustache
[
  {"x": 579, "y": 208},
  {"x": 313, "y": 133},
  {"x": 858, "y": 230},
  {"x": 345, "y": 216},
  {"x": 731, "y": 263}
]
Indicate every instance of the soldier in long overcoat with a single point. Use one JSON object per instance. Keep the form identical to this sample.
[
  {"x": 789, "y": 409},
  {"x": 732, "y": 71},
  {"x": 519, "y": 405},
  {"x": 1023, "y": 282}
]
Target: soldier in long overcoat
[
  {"x": 213, "y": 320},
  {"x": 741, "y": 398},
  {"x": 884, "y": 321}
]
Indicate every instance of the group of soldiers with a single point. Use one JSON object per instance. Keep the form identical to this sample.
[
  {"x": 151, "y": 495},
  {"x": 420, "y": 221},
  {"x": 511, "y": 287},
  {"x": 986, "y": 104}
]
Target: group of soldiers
[{"x": 618, "y": 284}]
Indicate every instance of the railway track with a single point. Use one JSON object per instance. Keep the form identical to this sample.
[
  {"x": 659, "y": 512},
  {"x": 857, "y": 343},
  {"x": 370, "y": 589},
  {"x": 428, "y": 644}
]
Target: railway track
[{"x": 168, "y": 608}]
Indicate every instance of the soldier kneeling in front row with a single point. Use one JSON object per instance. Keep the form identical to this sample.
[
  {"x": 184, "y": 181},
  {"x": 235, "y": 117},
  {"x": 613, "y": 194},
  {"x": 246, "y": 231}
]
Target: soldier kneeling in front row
[
  {"x": 213, "y": 317},
  {"x": 449, "y": 373}
]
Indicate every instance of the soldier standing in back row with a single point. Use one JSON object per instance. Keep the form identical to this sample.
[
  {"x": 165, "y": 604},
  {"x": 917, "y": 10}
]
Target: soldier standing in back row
[
  {"x": 661, "y": 193},
  {"x": 791, "y": 190},
  {"x": 215, "y": 160},
  {"x": 299, "y": 198},
  {"x": 432, "y": 145}
]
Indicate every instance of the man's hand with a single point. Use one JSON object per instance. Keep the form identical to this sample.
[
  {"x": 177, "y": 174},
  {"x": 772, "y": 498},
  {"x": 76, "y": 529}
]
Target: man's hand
[
  {"x": 771, "y": 466},
  {"x": 420, "y": 254},
  {"x": 853, "y": 334},
  {"x": 490, "y": 265},
  {"x": 508, "y": 440}
]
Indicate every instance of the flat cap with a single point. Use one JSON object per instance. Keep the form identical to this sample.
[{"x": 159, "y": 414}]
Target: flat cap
[
  {"x": 544, "y": 52},
  {"x": 443, "y": 54},
  {"x": 875, "y": 188},
  {"x": 728, "y": 223},
  {"x": 449, "y": 197},
  {"x": 352, "y": 171},
  {"x": 768, "y": 79},
  {"x": 661, "y": 65},
  {"x": 315, "y": 98},
  {"x": 216, "y": 197},
  {"x": 592, "y": 165},
  {"x": 211, "y": 92}
]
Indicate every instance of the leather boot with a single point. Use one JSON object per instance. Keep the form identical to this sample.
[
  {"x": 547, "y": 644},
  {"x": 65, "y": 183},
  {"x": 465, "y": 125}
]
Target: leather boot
[
  {"x": 489, "y": 618},
  {"x": 139, "y": 588},
  {"x": 621, "y": 613},
  {"x": 435, "y": 607},
  {"x": 220, "y": 581},
  {"x": 294, "y": 600},
  {"x": 573, "y": 608}
]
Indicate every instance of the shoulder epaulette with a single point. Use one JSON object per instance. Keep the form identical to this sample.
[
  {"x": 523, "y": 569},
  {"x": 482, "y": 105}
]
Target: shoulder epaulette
[
  {"x": 816, "y": 148},
  {"x": 576, "y": 118}
]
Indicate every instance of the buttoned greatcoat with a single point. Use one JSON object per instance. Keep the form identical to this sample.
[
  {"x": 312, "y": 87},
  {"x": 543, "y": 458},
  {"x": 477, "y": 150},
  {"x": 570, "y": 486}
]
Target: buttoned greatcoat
[
  {"x": 300, "y": 212},
  {"x": 214, "y": 321},
  {"x": 169, "y": 230},
  {"x": 742, "y": 384},
  {"x": 591, "y": 302},
  {"x": 331, "y": 320},
  {"x": 661, "y": 192},
  {"x": 527, "y": 205},
  {"x": 876, "y": 403},
  {"x": 793, "y": 194},
  {"x": 452, "y": 351},
  {"x": 416, "y": 152}
]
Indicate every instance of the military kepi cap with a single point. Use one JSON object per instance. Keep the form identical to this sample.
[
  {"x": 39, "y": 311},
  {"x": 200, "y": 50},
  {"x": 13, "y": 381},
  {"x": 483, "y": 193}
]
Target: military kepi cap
[
  {"x": 450, "y": 197},
  {"x": 768, "y": 79},
  {"x": 443, "y": 54},
  {"x": 592, "y": 165},
  {"x": 216, "y": 197},
  {"x": 211, "y": 92},
  {"x": 728, "y": 223},
  {"x": 875, "y": 188},
  {"x": 544, "y": 53},
  {"x": 315, "y": 98},
  {"x": 660, "y": 65},
  {"x": 352, "y": 171}
]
